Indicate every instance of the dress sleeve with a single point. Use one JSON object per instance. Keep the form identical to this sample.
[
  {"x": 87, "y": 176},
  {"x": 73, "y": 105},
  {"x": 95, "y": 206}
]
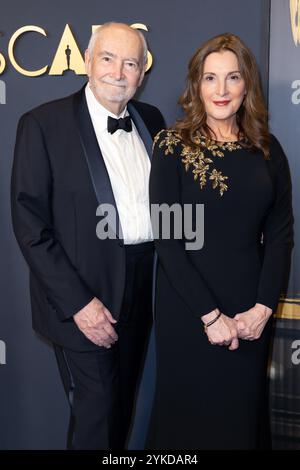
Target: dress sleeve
[
  {"x": 277, "y": 231},
  {"x": 165, "y": 188}
]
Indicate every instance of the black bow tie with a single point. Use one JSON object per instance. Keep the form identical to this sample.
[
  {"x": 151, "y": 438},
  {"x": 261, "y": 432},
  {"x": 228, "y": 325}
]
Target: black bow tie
[{"x": 123, "y": 123}]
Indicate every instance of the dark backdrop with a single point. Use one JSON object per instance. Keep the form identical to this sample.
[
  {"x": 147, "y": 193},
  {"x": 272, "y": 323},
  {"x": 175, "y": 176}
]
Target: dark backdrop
[{"x": 33, "y": 408}]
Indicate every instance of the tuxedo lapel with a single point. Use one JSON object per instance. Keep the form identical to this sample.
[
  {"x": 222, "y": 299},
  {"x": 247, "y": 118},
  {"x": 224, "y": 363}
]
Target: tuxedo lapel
[
  {"x": 141, "y": 127},
  {"x": 92, "y": 152},
  {"x": 96, "y": 165}
]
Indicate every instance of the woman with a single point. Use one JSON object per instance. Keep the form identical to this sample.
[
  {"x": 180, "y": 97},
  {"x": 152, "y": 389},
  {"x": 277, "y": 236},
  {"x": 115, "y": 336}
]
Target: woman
[{"x": 213, "y": 305}]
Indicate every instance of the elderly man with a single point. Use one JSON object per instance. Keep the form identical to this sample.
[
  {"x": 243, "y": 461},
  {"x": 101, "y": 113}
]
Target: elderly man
[{"x": 91, "y": 295}]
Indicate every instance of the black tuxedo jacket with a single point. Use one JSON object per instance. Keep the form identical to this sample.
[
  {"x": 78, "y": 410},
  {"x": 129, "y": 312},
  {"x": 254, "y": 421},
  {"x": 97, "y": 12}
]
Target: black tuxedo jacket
[{"x": 59, "y": 178}]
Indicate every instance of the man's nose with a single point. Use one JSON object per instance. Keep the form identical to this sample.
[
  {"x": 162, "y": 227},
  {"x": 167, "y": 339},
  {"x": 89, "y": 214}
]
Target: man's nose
[{"x": 117, "y": 70}]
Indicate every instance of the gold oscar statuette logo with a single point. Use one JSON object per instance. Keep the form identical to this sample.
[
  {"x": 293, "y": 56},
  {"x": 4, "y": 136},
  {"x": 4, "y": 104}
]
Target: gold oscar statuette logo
[
  {"x": 295, "y": 20},
  {"x": 68, "y": 57}
]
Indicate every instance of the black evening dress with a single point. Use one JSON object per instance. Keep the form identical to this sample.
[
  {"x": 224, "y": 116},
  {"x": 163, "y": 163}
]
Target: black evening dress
[{"x": 208, "y": 397}]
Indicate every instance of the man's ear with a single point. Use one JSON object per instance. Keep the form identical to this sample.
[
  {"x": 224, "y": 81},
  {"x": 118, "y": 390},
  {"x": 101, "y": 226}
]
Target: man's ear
[
  {"x": 142, "y": 75},
  {"x": 87, "y": 62}
]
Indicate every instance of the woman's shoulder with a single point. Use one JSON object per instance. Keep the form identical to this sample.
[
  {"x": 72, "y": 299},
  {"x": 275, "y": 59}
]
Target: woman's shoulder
[
  {"x": 278, "y": 161},
  {"x": 277, "y": 154},
  {"x": 168, "y": 141}
]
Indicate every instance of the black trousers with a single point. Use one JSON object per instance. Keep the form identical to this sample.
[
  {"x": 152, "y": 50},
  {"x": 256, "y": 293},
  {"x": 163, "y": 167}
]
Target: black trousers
[{"x": 101, "y": 385}]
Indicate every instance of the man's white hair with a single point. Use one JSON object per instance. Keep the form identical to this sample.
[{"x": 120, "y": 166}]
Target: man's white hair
[{"x": 97, "y": 31}]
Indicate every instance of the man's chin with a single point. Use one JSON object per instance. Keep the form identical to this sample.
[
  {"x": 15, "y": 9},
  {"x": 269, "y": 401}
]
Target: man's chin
[
  {"x": 116, "y": 99},
  {"x": 112, "y": 97}
]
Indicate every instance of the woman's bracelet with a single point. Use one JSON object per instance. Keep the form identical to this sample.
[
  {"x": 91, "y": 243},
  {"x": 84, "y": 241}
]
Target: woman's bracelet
[{"x": 206, "y": 325}]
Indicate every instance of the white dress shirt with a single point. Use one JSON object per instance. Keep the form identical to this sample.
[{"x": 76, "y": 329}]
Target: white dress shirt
[{"x": 128, "y": 166}]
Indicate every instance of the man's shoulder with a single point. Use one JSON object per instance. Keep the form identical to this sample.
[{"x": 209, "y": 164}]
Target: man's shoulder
[
  {"x": 145, "y": 108},
  {"x": 151, "y": 116},
  {"x": 53, "y": 107}
]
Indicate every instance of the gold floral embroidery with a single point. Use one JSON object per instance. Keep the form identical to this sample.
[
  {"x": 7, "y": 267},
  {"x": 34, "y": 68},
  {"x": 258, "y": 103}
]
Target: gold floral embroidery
[
  {"x": 218, "y": 180},
  {"x": 197, "y": 159},
  {"x": 171, "y": 140}
]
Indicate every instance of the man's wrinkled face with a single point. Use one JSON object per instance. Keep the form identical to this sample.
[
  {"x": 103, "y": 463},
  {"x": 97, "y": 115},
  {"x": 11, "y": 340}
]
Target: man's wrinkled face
[{"x": 115, "y": 66}]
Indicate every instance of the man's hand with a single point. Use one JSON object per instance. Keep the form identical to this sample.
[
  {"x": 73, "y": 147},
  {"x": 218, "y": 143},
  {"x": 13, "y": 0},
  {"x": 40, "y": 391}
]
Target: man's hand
[
  {"x": 95, "y": 322},
  {"x": 223, "y": 332},
  {"x": 250, "y": 324}
]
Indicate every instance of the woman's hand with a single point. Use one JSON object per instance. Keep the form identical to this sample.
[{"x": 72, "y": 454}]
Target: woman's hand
[
  {"x": 250, "y": 324},
  {"x": 223, "y": 331}
]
